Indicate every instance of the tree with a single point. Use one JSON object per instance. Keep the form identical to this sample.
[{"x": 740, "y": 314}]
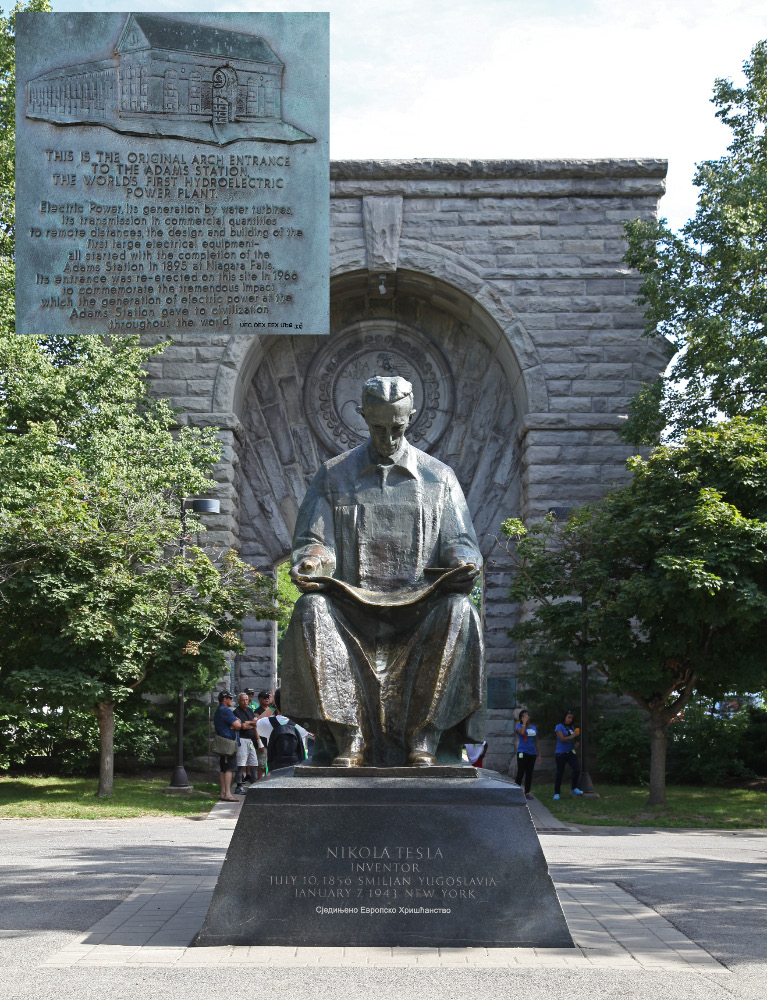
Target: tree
[
  {"x": 95, "y": 599},
  {"x": 661, "y": 586},
  {"x": 547, "y": 684},
  {"x": 8, "y": 157},
  {"x": 705, "y": 289},
  {"x": 287, "y": 595}
]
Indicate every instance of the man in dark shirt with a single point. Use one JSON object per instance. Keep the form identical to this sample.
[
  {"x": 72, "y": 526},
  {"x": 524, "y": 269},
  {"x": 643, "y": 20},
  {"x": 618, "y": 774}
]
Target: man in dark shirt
[
  {"x": 250, "y": 743},
  {"x": 266, "y": 706},
  {"x": 226, "y": 724}
]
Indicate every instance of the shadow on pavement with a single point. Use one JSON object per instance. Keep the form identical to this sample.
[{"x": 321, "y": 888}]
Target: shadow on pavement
[
  {"x": 720, "y": 904},
  {"x": 96, "y": 880}
]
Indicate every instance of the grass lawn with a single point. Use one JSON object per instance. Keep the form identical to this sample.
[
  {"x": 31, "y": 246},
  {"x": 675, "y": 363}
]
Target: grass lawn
[
  {"x": 73, "y": 798},
  {"x": 687, "y": 806}
]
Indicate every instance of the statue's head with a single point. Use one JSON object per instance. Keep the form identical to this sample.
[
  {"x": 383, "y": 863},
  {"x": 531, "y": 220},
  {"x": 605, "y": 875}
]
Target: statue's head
[{"x": 387, "y": 406}]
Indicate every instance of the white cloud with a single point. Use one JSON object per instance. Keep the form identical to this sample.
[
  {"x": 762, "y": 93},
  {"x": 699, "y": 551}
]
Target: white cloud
[{"x": 526, "y": 78}]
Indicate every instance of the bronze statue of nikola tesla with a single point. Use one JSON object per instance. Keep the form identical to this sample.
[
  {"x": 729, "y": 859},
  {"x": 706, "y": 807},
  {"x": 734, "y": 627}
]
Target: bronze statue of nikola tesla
[{"x": 384, "y": 653}]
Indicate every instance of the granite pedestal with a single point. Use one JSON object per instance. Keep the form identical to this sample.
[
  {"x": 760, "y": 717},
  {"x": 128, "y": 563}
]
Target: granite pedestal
[{"x": 391, "y": 861}]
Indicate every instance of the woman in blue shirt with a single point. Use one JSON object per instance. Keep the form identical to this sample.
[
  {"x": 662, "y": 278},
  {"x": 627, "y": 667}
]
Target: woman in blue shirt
[
  {"x": 527, "y": 752},
  {"x": 566, "y": 734}
]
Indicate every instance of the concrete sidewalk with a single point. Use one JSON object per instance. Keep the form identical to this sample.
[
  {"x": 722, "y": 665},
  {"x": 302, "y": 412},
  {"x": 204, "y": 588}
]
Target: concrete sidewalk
[
  {"x": 157, "y": 923},
  {"x": 109, "y": 908},
  {"x": 545, "y": 821}
]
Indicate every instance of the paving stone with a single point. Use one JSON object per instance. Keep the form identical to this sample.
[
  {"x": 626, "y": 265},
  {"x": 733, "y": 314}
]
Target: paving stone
[{"x": 610, "y": 928}]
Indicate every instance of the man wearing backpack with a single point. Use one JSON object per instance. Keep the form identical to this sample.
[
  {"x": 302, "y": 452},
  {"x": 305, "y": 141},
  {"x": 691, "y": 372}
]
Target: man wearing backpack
[{"x": 285, "y": 740}]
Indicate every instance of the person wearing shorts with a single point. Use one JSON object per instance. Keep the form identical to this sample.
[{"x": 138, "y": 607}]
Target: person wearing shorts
[
  {"x": 261, "y": 759},
  {"x": 255, "y": 707},
  {"x": 247, "y": 754},
  {"x": 264, "y": 710},
  {"x": 226, "y": 724}
]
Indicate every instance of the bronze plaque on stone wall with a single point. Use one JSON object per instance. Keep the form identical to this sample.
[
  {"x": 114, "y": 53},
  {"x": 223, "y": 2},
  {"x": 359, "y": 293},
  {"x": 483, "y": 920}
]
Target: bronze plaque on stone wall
[{"x": 172, "y": 173}]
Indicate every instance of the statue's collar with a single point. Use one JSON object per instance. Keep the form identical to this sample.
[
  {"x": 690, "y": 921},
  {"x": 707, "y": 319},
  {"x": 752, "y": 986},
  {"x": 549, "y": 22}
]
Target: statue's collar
[{"x": 404, "y": 459}]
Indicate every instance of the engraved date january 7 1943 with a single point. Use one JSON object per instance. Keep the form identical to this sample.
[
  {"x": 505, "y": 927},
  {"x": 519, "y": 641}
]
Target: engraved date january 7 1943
[{"x": 387, "y": 873}]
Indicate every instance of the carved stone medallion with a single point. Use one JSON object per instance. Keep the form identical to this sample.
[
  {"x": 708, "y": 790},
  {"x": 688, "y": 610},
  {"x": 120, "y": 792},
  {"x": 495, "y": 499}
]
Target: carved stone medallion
[{"x": 377, "y": 347}]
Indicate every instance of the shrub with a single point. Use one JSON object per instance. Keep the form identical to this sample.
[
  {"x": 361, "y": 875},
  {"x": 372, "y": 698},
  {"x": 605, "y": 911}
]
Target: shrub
[
  {"x": 164, "y": 715},
  {"x": 623, "y": 747},
  {"x": 548, "y": 686},
  {"x": 753, "y": 750},
  {"x": 136, "y": 737},
  {"x": 22, "y": 735},
  {"x": 70, "y": 740},
  {"x": 707, "y": 750}
]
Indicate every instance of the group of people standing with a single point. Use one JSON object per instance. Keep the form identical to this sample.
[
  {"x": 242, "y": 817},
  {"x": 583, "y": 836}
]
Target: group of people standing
[
  {"x": 261, "y": 739},
  {"x": 566, "y": 733},
  {"x": 258, "y": 737}
]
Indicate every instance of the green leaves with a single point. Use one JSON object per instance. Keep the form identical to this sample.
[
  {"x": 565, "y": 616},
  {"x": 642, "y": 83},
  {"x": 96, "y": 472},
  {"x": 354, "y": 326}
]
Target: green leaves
[
  {"x": 95, "y": 600},
  {"x": 705, "y": 289},
  {"x": 8, "y": 150},
  {"x": 663, "y": 584}
]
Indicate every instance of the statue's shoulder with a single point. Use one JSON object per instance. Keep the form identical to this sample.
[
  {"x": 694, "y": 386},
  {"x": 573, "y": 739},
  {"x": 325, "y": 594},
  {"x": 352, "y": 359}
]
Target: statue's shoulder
[
  {"x": 430, "y": 467},
  {"x": 354, "y": 456},
  {"x": 346, "y": 457},
  {"x": 341, "y": 466}
]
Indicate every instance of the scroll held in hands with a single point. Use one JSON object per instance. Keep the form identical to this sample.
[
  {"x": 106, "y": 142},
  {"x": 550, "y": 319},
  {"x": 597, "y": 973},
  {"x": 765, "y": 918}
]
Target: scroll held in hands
[{"x": 445, "y": 579}]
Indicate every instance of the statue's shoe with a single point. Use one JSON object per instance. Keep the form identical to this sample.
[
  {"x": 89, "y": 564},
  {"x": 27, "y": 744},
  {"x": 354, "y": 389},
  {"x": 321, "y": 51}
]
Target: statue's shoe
[
  {"x": 420, "y": 758},
  {"x": 348, "y": 760},
  {"x": 352, "y": 754}
]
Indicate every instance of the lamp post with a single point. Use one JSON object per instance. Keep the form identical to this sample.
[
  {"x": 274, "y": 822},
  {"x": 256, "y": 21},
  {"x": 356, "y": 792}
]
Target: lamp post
[
  {"x": 587, "y": 785},
  {"x": 179, "y": 782}
]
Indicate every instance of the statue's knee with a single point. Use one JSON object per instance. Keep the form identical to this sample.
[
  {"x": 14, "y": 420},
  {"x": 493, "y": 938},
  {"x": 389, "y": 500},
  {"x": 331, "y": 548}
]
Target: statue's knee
[
  {"x": 458, "y": 603},
  {"x": 309, "y": 605}
]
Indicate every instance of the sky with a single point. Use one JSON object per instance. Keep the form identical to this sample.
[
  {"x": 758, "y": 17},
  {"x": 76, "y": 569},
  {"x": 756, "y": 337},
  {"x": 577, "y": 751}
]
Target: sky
[{"x": 524, "y": 79}]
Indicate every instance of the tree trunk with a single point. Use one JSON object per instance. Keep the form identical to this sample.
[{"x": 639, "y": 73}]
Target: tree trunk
[
  {"x": 658, "y": 742},
  {"x": 105, "y": 713}
]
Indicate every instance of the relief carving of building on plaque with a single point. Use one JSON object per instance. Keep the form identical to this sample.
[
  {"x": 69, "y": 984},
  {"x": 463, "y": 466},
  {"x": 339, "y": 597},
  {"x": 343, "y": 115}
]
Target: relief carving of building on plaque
[{"x": 173, "y": 79}]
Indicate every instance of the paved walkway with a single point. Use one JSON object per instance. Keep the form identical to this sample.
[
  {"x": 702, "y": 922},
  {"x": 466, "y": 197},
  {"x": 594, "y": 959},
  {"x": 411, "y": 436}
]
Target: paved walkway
[
  {"x": 545, "y": 821},
  {"x": 157, "y": 923},
  {"x": 110, "y": 908}
]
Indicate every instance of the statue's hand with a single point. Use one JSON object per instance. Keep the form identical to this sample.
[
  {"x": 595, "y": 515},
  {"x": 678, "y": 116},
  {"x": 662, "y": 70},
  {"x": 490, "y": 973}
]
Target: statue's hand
[
  {"x": 302, "y": 573},
  {"x": 463, "y": 581}
]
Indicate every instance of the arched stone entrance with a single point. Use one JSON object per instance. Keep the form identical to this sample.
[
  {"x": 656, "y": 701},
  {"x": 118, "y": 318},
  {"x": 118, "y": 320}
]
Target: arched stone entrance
[
  {"x": 509, "y": 266},
  {"x": 296, "y": 411}
]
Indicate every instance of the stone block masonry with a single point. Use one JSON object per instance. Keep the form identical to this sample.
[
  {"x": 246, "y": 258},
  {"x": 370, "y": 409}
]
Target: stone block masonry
[{"x": 498, "y": 288}]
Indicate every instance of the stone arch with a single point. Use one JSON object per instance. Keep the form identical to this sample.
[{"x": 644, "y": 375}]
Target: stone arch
[
  {"x": 452, "y": 275},
  {"x": 281, "y": 448}
]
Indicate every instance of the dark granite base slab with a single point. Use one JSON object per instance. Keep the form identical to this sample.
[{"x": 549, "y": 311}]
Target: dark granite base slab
[
  {"x": 324, "y": 861},
  {"x": 435, "y": 771}
]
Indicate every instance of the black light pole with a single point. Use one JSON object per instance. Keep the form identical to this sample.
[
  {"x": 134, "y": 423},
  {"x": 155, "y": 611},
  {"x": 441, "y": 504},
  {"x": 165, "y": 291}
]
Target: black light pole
[
  {"x": 587, "y": 786},
  {"x": 179, "y": 782},
  {"x": 179, "y": 778}
]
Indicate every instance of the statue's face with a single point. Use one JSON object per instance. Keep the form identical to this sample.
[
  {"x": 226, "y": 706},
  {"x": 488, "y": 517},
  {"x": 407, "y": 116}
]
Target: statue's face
[{"x": 387, "y": 423}]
